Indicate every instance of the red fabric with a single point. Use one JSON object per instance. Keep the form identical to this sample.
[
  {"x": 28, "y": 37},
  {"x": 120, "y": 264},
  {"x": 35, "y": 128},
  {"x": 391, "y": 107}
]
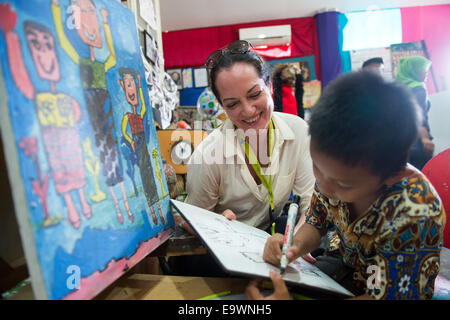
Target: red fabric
[
  {"x": 275, "y": 52},
  {"x": 289, "y": 102},
  {"x": 432, "y": 24},
  {"x": 437, "y": 170},
  {"x": 190, "y": 48}
]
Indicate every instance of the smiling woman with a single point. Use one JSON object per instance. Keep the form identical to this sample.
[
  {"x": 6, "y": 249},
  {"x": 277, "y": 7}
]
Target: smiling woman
[{"x": 257, "y": 144}]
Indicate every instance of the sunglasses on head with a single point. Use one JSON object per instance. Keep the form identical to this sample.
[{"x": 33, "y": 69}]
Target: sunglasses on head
[{"x": 240, "y": 46}]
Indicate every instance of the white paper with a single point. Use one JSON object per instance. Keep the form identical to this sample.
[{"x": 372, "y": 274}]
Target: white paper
[
  {"x": 358, "y": 57},
  {"x": 239, "y": 248},
  {"x": 200, "y": 77},
  {"x": 147, "y": 12}
]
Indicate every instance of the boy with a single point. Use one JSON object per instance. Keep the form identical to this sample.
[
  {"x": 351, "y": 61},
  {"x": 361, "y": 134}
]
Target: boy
[{"x": 388, "y": 219}]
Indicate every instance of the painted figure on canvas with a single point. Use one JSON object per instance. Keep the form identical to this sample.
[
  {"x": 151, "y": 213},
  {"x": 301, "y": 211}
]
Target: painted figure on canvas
[
  {"x": 57, "y": 112},
  {"x": 98, "y": 100},
  {"x": 137, "y": 140}
]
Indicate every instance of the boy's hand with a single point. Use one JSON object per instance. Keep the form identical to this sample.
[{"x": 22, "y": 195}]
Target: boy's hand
[
  {"x": 293, "y": 253},
  {"x": 272, "y": 249},
  {"x": 280, "y": 291}
]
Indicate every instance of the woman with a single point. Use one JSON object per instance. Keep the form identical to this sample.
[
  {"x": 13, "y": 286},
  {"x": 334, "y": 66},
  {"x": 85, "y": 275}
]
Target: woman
[
  {"x": 228, "y": 182},
  {"x": 220, "y": 177},
  {"x": 412, "y": 71}
]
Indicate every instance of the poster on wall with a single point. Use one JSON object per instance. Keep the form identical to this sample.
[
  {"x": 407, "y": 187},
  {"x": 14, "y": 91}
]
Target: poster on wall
[
  {"x": 401, "y": 50},
  {"x": 312, "y": 90},
  {"x": 187, "y": 78},
  {"x": 147, "y": 12},
  {"x": 357, "y": 58},
  {"x": 200, "y": 77},
  {"x": 82, "y": 154},
  {"x": 306, "y": 65},
  {"x": 175, "y": 74},
  {"x": 151, "y": 47}
]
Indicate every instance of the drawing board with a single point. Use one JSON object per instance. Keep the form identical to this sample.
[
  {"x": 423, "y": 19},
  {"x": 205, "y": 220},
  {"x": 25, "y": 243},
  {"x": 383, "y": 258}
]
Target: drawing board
[{"x": 239, "y": 247}]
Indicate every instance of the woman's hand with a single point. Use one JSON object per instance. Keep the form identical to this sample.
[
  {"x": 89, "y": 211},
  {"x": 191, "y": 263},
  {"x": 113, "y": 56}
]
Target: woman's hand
[
  {"x": 280, "y": 291},
  {"x": 229, "y": 214}
]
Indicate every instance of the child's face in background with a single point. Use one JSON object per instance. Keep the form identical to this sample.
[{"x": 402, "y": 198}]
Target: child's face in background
[{"x": 347, "y": 183}]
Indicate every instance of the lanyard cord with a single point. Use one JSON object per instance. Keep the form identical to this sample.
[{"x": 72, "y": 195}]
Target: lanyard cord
[{"x": 266, "y": 180}]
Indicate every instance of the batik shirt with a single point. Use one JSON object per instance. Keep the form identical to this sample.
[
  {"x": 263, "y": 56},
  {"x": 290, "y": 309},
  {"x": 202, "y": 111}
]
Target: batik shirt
[{"x": 394, "y": 247}]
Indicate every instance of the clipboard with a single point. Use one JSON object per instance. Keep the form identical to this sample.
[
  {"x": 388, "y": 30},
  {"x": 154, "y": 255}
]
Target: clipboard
[{"x": 238, "y": 249}]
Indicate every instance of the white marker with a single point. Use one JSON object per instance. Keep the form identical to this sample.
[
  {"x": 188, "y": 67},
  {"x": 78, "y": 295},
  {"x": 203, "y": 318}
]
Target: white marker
[{"x": 289, "y": 232}]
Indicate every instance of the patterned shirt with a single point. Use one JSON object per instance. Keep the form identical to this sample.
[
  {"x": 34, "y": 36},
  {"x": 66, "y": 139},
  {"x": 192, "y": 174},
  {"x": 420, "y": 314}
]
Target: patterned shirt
[{"x": 395, "y": 247}]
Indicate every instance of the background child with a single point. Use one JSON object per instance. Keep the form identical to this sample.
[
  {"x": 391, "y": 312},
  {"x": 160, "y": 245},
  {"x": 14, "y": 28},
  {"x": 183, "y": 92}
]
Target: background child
[{"x": 387, "y": 216}]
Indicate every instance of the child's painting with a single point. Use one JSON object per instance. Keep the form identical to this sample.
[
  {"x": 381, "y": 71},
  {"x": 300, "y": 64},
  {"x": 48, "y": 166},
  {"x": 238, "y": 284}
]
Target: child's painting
[{"x": 83, "y": 158}]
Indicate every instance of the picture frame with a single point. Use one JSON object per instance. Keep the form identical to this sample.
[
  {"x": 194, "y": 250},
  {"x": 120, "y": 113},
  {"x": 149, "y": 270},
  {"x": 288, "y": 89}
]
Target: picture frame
[
  {"x": 147, "y": 13},
  {"x": 306, "y": 65},
  {"x": 150, "y": 47},
  {"x": 200, "y": 77},
  {"x": 187, "y": 78},
  {"x": 175, "y": 74}
]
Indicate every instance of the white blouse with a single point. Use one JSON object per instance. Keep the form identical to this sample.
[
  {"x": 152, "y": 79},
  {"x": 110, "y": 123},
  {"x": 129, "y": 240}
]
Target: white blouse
[{"x": 219, "y": 179}]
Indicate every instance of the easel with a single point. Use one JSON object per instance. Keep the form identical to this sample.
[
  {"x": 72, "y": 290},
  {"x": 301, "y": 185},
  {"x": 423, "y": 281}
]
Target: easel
[{"x": 146, "y": 282}]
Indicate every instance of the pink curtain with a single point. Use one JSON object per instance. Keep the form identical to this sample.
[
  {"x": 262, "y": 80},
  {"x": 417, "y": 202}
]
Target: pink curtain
[
  {"x": 190, "y": 48},
  {"x": 432, "y": 24}
]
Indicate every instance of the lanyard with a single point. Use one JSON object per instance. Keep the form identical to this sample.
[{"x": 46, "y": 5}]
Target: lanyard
[{"x": 266, "y": 180}]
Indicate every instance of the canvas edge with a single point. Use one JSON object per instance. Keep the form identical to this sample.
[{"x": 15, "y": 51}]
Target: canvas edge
[{"x": 18, "y": 193}]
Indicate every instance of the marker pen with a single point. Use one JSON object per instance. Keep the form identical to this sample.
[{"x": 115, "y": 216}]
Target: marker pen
[{"x": 289, "y": 232}]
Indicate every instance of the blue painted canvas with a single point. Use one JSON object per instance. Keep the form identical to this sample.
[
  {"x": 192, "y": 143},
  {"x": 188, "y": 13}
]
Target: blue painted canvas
[{"x": 83, "y": 157}]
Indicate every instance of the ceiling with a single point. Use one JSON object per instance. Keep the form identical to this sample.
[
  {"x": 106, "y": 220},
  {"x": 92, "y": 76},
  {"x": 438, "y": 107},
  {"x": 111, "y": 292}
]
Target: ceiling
[{"x": 191, "y": 14}]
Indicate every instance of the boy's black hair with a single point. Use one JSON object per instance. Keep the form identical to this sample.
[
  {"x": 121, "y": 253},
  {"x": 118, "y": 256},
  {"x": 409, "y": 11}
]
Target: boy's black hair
[
  {"x": 361, "y": 119},
  {"x": 228, "y": 59},
  {"x": 372, "y": 60}
]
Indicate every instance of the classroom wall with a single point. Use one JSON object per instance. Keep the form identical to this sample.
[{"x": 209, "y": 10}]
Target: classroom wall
[
  {"x": 438, "y": 117},
  {"x": 190, "y": 48},
  {"x": 432, "y": 24}
]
